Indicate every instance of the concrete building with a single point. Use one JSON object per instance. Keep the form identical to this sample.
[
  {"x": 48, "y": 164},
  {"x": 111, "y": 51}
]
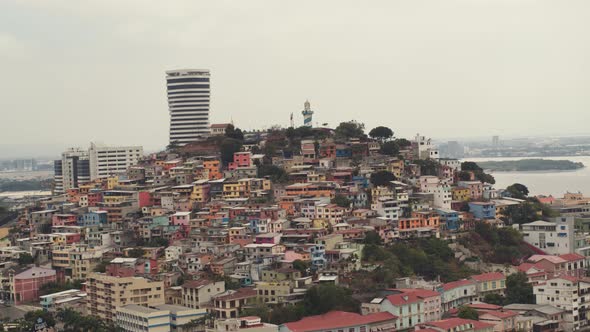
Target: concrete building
[
  {"x": 489, "y": 283},
  {"x": 136, "y": 318},
  {"x": 71, "y": 298},
  {"x": 24, "y": 286},
  {"x": 189, "y": 93},
  {"x": 111, "y": 160},
  {"x": 106, "y": 293},
  {"x": 197, "y": 293},
  {"x": 73, "y": 168},
  {"x": 569, "y": 294},
  {"x": 554, "y": 238}
]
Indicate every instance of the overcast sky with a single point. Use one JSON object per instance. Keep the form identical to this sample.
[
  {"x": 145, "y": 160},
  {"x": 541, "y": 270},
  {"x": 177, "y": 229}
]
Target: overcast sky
[{"x": 80, "y": 71}]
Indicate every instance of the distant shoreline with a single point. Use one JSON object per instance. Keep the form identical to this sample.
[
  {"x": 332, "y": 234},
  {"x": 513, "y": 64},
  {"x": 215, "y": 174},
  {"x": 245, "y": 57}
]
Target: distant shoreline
[{"x": 530, "y": 165}]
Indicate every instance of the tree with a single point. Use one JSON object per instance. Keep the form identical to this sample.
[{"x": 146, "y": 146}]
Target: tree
[
  {"x": 470, "y": 166},
  {"x": 326, "y": 297},
  {"x": 466, "y": 312},
  {"x": 25, "y": 259},
  {"x": 428, "y": 167},
  {"x": 381, "y": 133},
  {"x": 341, "y": 201},
  {"x": 402, "y": 143},
  {"x": 351, "y": 129},
  {"x": 235, "y": 133},
  {"x": 464, "y": 176},
  {"x": 382, "y": 178},
  {"x": 520, "y": 214},
  {"x": 172, "y": 146},
  {"x": 301, "y": 266},
  {"x": 372, "y": 237},
  {"x": 389, "y": 149},
  {"x": 276, "y": 174},
  {"x": 518, "y": 289},
  {"x": 228, "y": 147},
  {"x": 494, "y": 298},
  {"x": 518, "y": 190},
  {"x": 136, "y": 252},
  {"x": 32, "y": 317}
]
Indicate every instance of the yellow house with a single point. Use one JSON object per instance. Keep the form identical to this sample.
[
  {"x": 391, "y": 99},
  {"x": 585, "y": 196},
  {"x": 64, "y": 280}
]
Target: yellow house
[
  {"x": 234, "y": 189},
  {"x": 380, "y": 191},
  {"x": 200, "y": 191},
  {"x": 396, "y": 167},
  {"x": 461, "y": 194},
  {"x": 112, "y": 182}
]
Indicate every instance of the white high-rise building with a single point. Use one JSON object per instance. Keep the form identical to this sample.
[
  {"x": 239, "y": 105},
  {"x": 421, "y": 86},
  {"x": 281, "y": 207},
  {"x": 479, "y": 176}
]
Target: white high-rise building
[
  {"x": 111, "y": 160},
  {"x": 189, "y": 94}
]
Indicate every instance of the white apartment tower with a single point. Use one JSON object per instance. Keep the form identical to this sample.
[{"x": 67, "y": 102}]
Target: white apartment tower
[
  {"x": 189, "y": 94},
  {"x": 111, "y": 160}
]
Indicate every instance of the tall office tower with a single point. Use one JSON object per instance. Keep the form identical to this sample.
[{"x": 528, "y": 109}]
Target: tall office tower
[
  {"x": 71, "y": 169},
  {"x": 111, "y": 160},
  {"x": 188, "y": 101},
  {"x": 307, "y": 114},
  {"x": 495, "y": 141}
]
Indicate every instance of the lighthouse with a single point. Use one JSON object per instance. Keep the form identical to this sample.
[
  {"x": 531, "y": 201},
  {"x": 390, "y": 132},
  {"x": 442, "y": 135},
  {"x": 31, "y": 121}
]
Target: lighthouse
[{"x": 307, "y": 114}]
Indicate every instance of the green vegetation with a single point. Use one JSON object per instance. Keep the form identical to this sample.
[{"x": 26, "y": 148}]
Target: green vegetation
[
  {"x": 480, "y": 175},
  {"x": 518, "y": 190},
  {"x": 235, "y": 133},
  {"x": 382, "y": 178},
  {"x": 54, "y": 287},
  {"x": 227, "y": 148},
  {"x": 518, "y": 290},
  {"x": 496, "y": 245},
  {"x": 428, "y": 167},
  {"x": 350, "y": 129},
  {"x": 466, "y": 312},
  {"x": 430, "y": 258},
  {"x": 389, "y": 149},
  {"x": 318, "y": 300},
  {"x": 525, "y": 165},
  {"x": 341, "y": 201},
  {"x": 381, "y": 133},
  {"x": 25, "y": 259},
  {"x": 276, "y": 174}
]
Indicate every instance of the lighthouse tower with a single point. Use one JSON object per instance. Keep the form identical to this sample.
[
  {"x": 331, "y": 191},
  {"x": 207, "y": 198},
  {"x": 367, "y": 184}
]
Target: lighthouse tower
[{"x": 307, "y": 114}]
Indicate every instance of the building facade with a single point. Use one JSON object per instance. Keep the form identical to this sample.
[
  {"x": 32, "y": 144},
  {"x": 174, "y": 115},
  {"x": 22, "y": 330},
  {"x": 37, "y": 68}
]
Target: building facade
[{"x": 188, "y": 102}]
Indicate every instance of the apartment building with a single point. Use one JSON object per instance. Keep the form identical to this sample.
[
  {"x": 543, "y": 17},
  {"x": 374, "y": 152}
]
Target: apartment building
[
  {"x": 553, "y": 237},
  {"x": 569, "y": 294},
  {"x": 158, "y": 318},
  {"x": 197, "y": 293},
  {"x": 106, "y": 293},
  {"x": 106, "y": 161},
  {"x": 489, "y": 283}
]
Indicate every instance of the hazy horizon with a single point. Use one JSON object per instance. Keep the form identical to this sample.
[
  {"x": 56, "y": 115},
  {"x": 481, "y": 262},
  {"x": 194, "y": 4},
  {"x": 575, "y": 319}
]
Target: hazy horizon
[{"x": 76, "y": 72}]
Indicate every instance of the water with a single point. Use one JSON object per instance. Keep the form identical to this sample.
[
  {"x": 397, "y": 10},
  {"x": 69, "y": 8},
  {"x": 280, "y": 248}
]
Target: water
[{"x": 554, "y": 183}]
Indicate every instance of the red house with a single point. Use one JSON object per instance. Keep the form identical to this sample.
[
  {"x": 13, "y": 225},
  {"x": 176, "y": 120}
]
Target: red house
[{"x": 25, "y": 285}]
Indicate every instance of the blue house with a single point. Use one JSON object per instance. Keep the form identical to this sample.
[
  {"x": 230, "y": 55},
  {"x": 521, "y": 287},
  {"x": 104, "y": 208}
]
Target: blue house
[
  {"x": 449, "y": 219},
  {"x": 94, "y": 218},
  {"x": 483, "y": 210}
]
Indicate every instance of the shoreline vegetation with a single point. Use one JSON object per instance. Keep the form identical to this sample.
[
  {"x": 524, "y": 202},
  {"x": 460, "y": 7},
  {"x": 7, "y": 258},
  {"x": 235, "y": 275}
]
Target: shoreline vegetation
[{"x": 526, "y": 165}]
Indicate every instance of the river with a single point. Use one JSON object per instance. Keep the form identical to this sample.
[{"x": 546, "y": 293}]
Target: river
[{"x": 554, "y": 183}]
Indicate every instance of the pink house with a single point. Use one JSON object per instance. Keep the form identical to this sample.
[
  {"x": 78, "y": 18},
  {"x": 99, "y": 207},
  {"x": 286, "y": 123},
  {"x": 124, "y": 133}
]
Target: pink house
[
  {"x": 475, "y": 188},
  {"x": 180, "y": 219},
  {"x": 25, "y": 285},
  {"x": 241, "y": 159}
]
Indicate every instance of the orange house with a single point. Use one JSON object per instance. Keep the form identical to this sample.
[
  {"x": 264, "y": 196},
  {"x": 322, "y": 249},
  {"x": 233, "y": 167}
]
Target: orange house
[
  {"x": 420, "y": 219},
  {"x": 213, "y": 166}
]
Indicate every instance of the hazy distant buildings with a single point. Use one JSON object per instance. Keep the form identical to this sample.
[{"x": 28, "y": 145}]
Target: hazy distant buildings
[
  {"x": 189, "y": 94},
  {"x": 455, "y": 149},
  {"x": 495, "y": 141},
  {"x": 109, "y": 160}
]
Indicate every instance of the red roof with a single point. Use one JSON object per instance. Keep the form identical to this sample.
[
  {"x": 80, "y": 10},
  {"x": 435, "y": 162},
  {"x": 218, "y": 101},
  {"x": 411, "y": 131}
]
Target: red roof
[
  {"x": 489, "y": 276},
  {"x": 456, "y": 284},
  {"x": 571, "y": 257},
  {"x": 337, "y": 319},
  {"x": 501, "y": 314},
  {"x": 447, "y": 324},
  {"x": 196, "y": 283},
  {"x": 420, "y": 292},
  {"x": 404, "y": 298},
  {"x": 485, "y": 306}
]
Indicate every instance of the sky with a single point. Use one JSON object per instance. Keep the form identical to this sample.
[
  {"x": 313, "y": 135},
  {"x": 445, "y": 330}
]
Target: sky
[{"x": 80, "y": 71}]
